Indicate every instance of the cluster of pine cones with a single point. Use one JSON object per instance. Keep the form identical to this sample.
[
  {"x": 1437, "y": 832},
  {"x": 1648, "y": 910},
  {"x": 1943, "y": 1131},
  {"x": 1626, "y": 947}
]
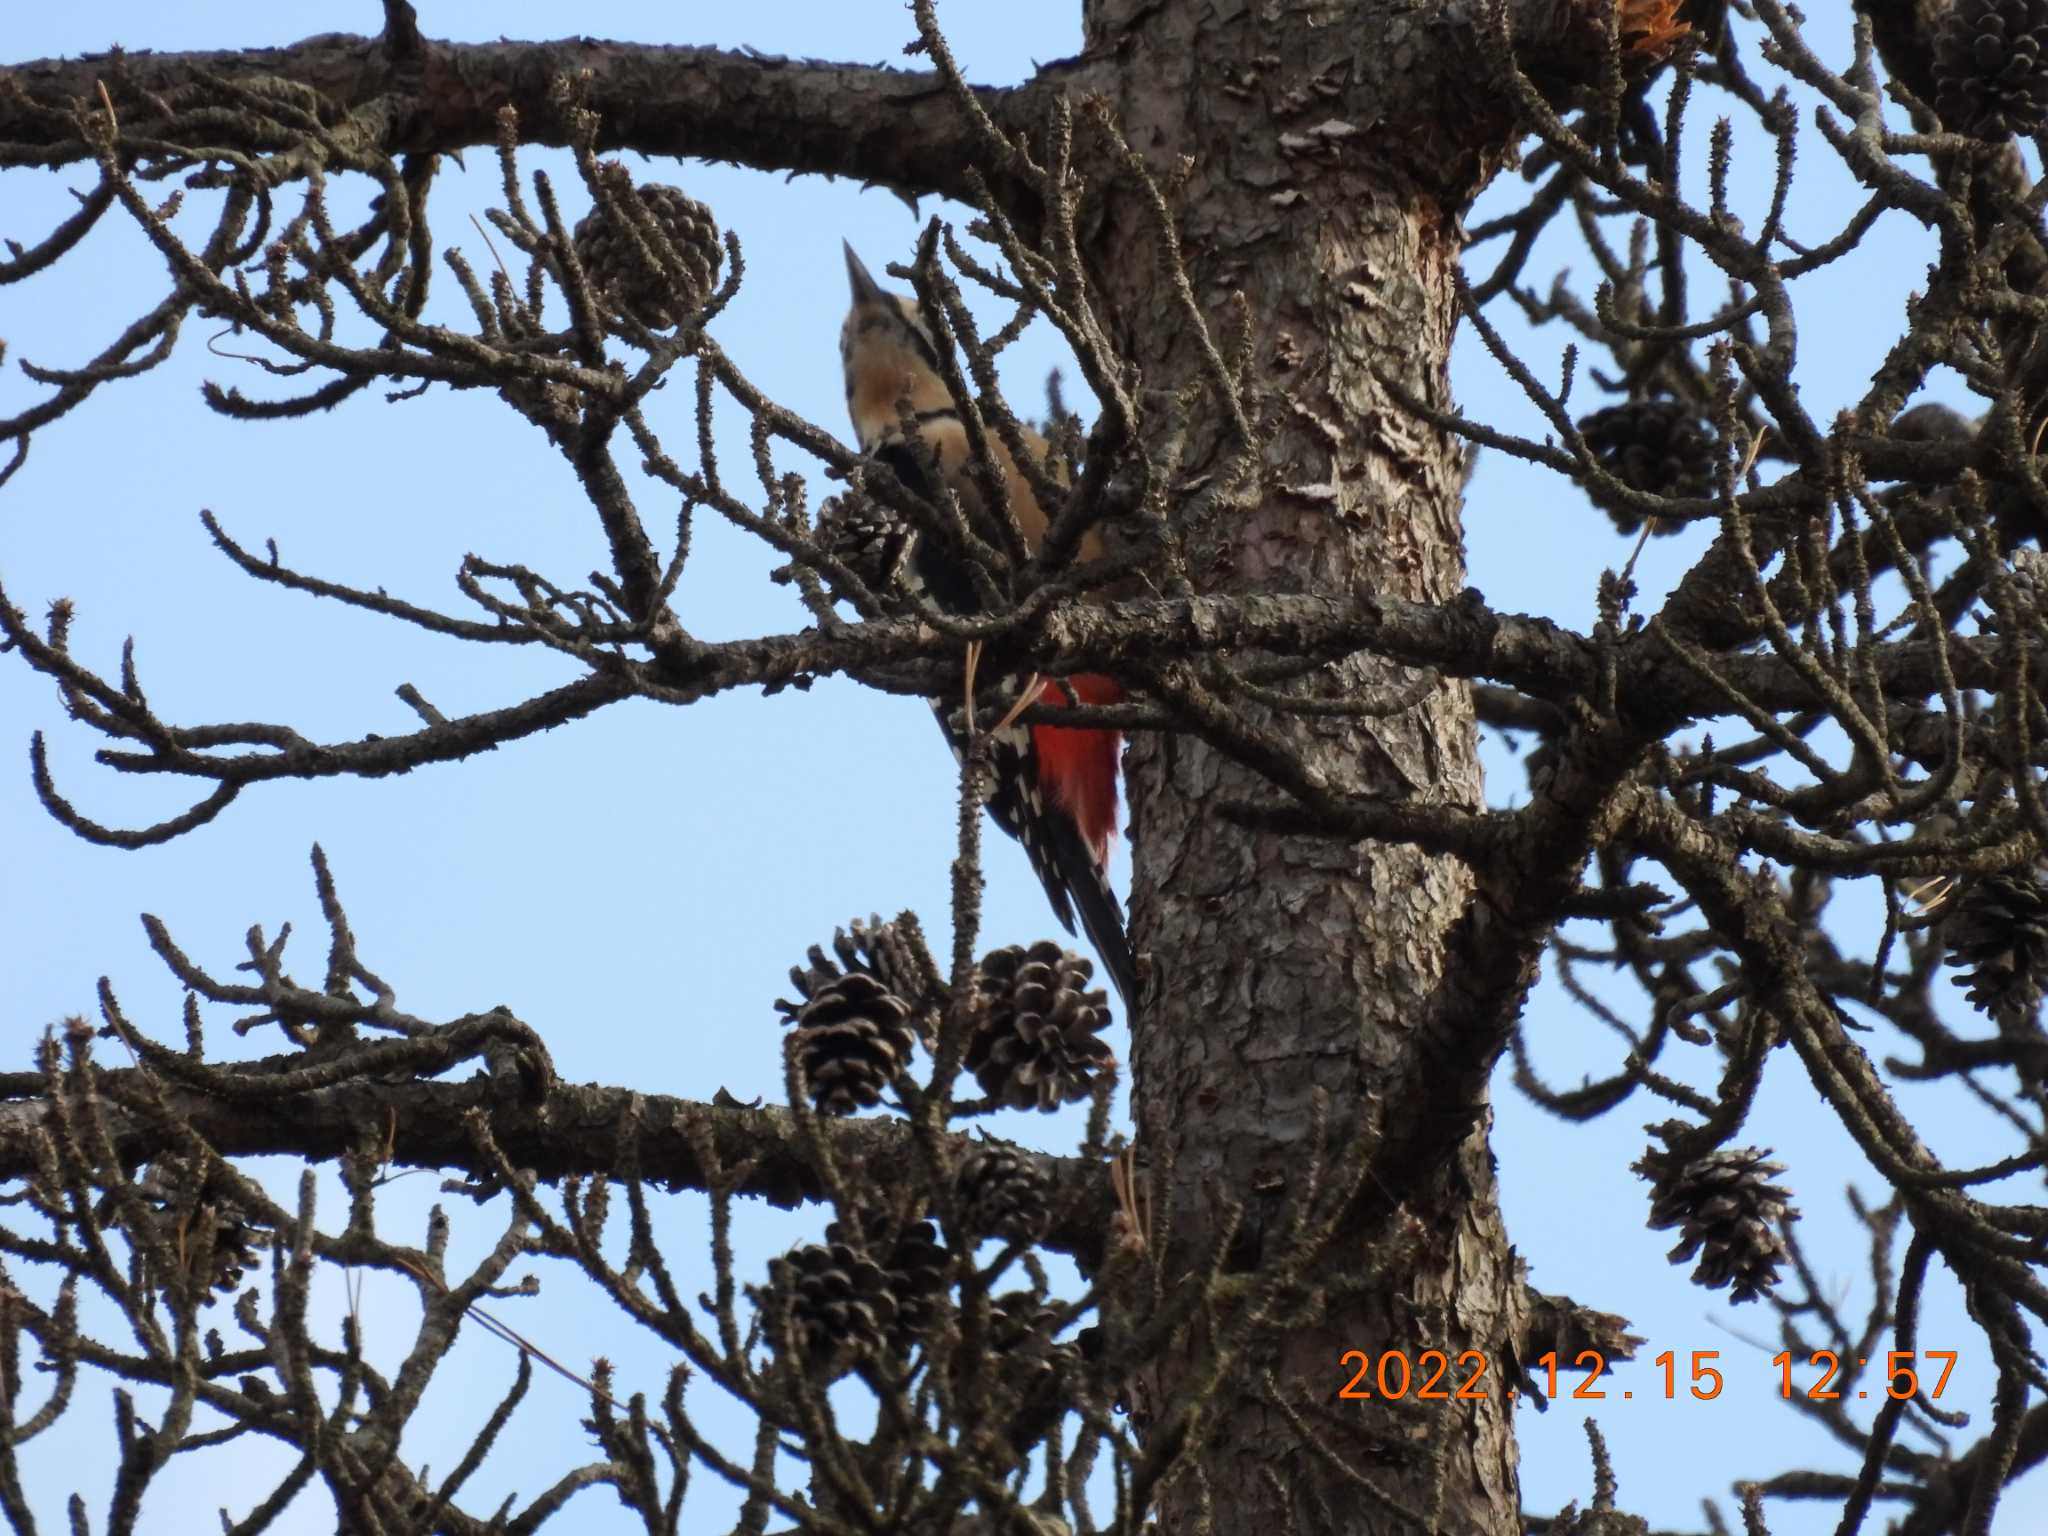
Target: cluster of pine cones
[
  {"x": 872, "y": 1290},
  {"x": 1037, "y": 1042},
  {"x": 859, "y": 1293}
]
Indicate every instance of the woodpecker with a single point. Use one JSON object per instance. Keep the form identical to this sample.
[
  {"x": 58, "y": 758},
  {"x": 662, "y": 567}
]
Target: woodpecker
[{"x": 1056, "y": 786}]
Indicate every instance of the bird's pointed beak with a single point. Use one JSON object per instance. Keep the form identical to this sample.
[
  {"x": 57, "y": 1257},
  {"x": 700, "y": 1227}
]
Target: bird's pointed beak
[{"x": 865, "y": 289}]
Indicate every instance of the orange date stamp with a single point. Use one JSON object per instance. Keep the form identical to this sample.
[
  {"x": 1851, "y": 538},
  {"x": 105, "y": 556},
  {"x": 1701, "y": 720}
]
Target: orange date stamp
[{"x": 1436, "y": 1376}]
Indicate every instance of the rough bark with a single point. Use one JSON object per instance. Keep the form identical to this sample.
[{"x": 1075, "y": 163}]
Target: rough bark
[{"x": 1286, "y": 975}]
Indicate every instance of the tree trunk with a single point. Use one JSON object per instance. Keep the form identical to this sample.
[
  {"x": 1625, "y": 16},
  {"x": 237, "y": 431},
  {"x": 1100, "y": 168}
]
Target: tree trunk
[{"x": 1287, "y": 971}]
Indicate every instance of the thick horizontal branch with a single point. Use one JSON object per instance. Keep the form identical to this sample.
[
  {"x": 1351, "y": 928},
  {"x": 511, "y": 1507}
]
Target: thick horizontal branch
[
  {"x": 577, "y": 1130},
  {"x": 1463, "y": 638},
  {"x": 590, "y": 1131},
  {"x": 893, "y": 127}
]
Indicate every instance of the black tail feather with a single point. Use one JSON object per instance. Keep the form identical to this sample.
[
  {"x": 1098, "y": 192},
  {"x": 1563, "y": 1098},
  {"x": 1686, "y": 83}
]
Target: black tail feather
[
  {"x": 1075, "y": 883},
  {"x": 1102, "y": 915}
]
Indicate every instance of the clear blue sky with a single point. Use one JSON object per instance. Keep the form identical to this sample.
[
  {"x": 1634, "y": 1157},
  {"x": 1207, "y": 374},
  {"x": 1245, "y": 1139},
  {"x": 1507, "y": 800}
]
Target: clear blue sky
[{"x": 637, "y": 885}]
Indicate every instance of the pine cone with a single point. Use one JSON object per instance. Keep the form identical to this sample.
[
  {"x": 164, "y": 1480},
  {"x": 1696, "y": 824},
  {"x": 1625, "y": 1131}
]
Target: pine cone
[
  {"x": 1991, "y": 67},
  {"x": 872, "y": 541},
  {"x": 235, "y": 1252},
  {"x": 1657, "y": 446},
  {"x": 1033, "y": 1366},
  {"x": 1725, "y": 1211},
  {"x": 1999, "y": 928},
  {"x": 1039, "y": 1045},
  {"x": 894, "y": 953},
  {"x": 917, "y": 1271},
  {"x": 182, "y": 1207},
  {"x": 850, "y": 1303},
  {"x": 912, "y": 1263},
  {"x": 841, "y": 1304},
  {"x": 616, "y": 258},
  {"x": 1002, "y": 1194},
  {"x": 852, "y": 1036},
  {"x": 858, "y": 1015}
]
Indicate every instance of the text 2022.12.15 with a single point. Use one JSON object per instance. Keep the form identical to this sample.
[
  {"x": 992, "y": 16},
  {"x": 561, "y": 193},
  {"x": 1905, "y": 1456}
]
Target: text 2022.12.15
[{"x": 1434, "y": 1375}]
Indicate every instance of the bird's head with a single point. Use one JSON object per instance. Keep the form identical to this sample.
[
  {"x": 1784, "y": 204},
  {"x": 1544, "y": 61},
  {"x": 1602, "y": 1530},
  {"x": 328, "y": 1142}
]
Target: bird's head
[{"x": 889, "y": 357}]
